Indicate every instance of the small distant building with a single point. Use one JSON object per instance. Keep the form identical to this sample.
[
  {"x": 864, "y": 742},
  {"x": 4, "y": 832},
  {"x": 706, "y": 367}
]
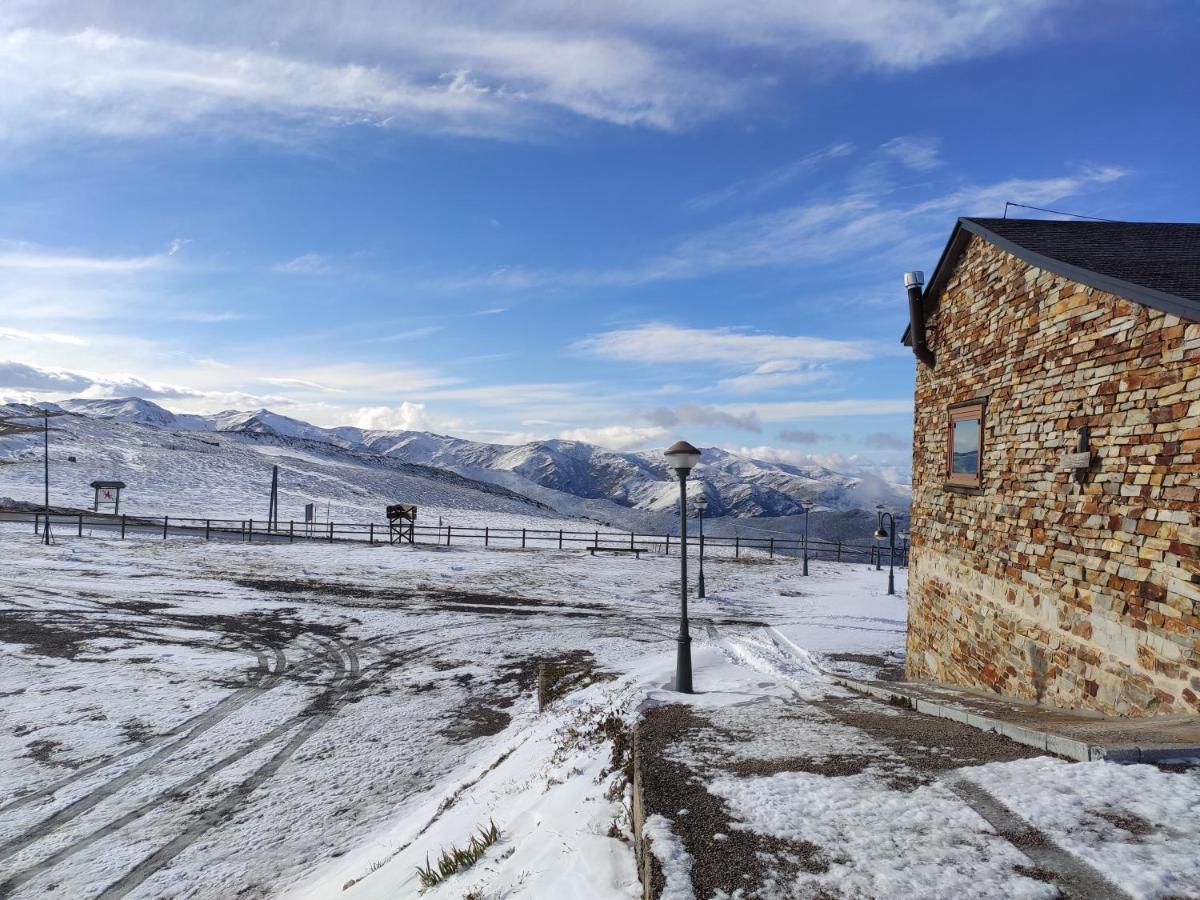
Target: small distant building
[
  {"x": 1056, "y": 465},
  {"x": 108, "y": 493}
]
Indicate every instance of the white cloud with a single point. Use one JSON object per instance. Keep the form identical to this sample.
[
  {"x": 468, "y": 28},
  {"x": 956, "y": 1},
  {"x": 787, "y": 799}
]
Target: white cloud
[
  {"x": 922, "y": 153},
  {"x": 19, "y": 376},
  {"x": 405, "y": 417},
  {"x": 617, "y": 437},
  {"x": 136, "y": 69},
  {"x": 664, "y": 343}
]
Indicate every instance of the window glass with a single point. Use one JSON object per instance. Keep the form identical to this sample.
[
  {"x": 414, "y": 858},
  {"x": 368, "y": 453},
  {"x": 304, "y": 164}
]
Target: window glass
[{"x": 965, "y": 458}]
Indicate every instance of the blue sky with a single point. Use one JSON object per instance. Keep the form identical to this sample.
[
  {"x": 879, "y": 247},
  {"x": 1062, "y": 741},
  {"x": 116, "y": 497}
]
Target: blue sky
[{"x": 621, "y": 222}]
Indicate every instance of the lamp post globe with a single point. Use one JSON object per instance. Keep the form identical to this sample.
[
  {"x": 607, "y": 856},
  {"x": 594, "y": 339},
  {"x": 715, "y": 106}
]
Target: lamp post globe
[
  {"x": 701, "y": 504},
  {"x": 683, "y": 457}
]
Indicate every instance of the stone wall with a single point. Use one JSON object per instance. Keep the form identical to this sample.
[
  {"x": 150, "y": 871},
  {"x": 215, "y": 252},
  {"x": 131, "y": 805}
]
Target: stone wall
[{"x": 1082, "y": 595}]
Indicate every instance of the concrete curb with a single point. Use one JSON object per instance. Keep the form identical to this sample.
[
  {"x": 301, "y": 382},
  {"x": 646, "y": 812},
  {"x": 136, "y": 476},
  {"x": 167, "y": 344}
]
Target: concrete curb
[{"x": 1059, "y": 745}]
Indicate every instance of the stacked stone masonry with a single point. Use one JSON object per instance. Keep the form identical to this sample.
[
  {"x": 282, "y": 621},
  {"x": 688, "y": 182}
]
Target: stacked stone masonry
[{"x": 1077, "y": 594}]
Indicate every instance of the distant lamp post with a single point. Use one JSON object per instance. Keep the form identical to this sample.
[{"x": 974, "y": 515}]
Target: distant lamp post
[
  {"x": 682, "y": 457},
  {"x": 806, "y": 507},
  {"x": 701, "y": 504},
  {"x": 888, "y": 534}
]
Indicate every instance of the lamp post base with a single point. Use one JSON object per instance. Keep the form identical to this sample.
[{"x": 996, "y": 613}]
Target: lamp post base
[
  {"x": 891, "y": 583},
  {"x": 700, "y": 587},
  {"x": 683, "y": 665}
]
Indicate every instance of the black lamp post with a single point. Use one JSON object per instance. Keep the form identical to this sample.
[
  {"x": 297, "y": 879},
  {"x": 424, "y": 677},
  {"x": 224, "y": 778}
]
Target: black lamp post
[
  {"x": 806, "y": 507},
  {"x": 682, "y": 457},
  {"x": 890, "y": 534},
  {"x": 701, "y": 504}
]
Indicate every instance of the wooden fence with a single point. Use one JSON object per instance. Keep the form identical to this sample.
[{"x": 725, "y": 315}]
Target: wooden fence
[{"x": 260, "y": 531}]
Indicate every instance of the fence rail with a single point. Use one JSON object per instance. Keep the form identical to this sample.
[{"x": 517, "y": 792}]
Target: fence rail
[{"x": 260, "y": 531}]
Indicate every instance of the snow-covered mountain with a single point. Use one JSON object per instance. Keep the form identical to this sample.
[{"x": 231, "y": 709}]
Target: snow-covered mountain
[{"x": 571, "y": 476}]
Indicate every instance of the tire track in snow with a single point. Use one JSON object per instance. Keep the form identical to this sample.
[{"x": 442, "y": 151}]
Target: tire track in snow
[{"x": 264, "y": 679}]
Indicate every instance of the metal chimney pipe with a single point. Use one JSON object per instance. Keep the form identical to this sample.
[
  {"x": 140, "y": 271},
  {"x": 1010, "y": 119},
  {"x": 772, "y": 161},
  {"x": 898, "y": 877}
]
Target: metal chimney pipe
[{"x": 916, "y": 317}]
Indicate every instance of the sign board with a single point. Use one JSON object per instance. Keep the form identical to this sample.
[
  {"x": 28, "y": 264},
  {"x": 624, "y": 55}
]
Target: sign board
[
  {"x": 405, "y": 511},
  {"x": 1075, "y": 461},
  {"x": 310, "y": 512}
]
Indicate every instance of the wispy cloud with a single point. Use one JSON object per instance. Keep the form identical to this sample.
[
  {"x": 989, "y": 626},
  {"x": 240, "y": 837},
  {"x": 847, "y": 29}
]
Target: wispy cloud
[
  {"x": 771, "y": 180},
  {"x": 706, "y": 416},
  {"x": 823, "y": 409},
  {"x": 618, "y": 437},
  {"x": 882, "y": 440},
  {"x": 922, "y": 153},
  {"x": 50, "y": 337},
  {"x": 306, "y": 264},
  {"x": 802, "y": 437},
  {"x": 854, "y": 225},
  {"x": 30, "y": 258},
  {"x": 665, "y": 343},
  {"x": 492, "y": 69},
  {"x": 19, "y": 376}
]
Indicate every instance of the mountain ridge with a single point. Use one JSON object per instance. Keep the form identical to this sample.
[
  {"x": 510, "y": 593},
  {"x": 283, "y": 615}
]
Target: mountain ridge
[{"x": 735, "y": 485}]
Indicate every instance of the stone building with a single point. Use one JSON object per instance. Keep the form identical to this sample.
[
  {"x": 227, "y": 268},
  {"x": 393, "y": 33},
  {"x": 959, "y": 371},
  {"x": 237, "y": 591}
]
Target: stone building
[{"x": 1056, "y": 465}]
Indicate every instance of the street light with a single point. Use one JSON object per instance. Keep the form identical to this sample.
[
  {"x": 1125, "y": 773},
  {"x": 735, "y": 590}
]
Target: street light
[
  {"x": 682, "y": 457},
  {"x": 806, "y": 507},
  {"x": 878, "y": 538},
  {"x": 890, "y": 534},
  {"x": 701, "y": 504}
]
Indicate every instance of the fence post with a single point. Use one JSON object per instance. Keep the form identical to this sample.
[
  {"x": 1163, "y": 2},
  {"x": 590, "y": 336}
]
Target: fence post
[
  {"x": 486, "y": 536},
  {"x": 80, "y": 532},
  {"x": 772, "y": 548},
  {"x": 522, "y": 538},
  {"x": 164, "y": 528},
  {"x": 371, "y": 534},
  {"x": 596, "y": 539},
  {"x": 331, "y": 531},
  {"x": 122, "y": 527},
  {"x": 207, "y": 524},
  {"x": 250, "y": 533},
  {"x": 448, "y": 535},
  {"x": 291, "y": 530},
  {"x": 737, "y": 546},
  {"x": 668, "y": 545},
  {"x": 543, "y": 687},
  {"x": 631, "y": 540},
  {"x": 560, "y": 539}
]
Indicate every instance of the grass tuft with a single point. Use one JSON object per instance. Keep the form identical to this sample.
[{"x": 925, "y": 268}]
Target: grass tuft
[{"x": 455, "y": 859}]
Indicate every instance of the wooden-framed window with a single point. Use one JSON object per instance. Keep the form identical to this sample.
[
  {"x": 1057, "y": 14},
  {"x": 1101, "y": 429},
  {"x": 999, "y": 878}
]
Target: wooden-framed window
[{"x": 964, "y": 444}]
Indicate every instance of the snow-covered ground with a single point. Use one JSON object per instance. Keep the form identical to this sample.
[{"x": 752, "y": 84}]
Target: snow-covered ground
[{"x": 212, "y": 720}]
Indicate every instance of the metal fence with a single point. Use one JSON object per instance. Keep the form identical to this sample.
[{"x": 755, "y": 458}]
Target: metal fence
[{"x": 449, "y": 535}]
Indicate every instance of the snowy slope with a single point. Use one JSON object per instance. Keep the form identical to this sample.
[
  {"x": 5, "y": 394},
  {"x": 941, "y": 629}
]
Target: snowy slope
[{"x": 216, "y": 474}]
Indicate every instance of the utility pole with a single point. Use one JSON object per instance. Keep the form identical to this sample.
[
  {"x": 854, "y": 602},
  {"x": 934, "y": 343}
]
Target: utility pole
[{"x": 273, "y": 509}]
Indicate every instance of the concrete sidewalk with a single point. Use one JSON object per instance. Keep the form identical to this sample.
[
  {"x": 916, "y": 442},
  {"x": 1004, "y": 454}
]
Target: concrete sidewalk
[
  {"x": 781, "y": 783},
  {"x": 1073, "y": 735}
]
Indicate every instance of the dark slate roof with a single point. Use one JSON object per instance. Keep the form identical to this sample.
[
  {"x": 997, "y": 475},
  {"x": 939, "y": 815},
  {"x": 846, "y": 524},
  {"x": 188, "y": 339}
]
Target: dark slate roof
[{"x": 1156, "y": 264}]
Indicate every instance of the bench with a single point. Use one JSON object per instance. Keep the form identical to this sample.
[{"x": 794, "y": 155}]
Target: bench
[{"x": 636, "y": 551}]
